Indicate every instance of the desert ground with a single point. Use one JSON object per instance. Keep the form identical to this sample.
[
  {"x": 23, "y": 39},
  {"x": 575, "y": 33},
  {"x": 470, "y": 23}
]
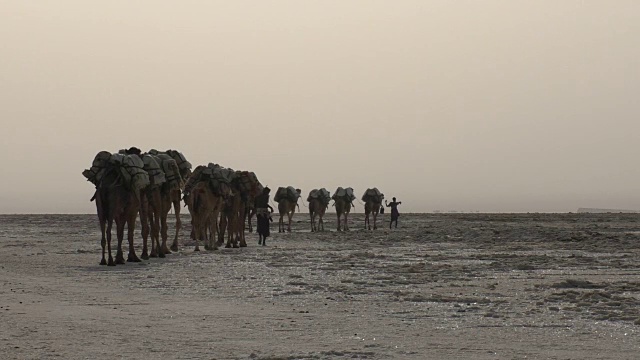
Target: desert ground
[{"x": 441, "y": 286}]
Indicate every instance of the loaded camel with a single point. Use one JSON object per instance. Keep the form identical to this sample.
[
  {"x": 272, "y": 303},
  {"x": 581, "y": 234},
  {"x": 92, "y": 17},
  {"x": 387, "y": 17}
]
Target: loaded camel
[
  {"x": 372, "y": 202},
  {"x": 317, "y": 207},
  {"x": 245, "y": 187},
  {"x": 114, "y": 202},
  {"x": 287, "y": 206},
  {"x": 205, "y": 205},
  {"x": 343, "y": 201}
]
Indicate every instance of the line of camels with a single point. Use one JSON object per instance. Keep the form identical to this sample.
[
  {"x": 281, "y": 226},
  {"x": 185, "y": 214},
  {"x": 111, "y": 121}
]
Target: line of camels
[{"x": 215, "y": 212}]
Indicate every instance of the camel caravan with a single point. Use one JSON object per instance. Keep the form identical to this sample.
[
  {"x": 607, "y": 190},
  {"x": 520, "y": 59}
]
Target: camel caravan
[
  {"x": 129, "y": 183},
  {"x": 220, "y": 200}
]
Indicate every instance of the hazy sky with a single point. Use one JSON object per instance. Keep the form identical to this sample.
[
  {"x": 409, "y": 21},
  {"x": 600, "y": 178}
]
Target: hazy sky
[{"x": 447, "y": 105}]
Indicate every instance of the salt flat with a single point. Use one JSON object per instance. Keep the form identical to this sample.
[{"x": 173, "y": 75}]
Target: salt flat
[{"x": 442, "y": 286}]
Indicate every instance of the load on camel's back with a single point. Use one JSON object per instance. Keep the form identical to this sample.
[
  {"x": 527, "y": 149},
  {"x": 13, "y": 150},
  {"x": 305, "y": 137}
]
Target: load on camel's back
[
  {"x": 372, "y": 201},
  {"x": 287, "y": 199},
  {"x": 119, "y": 179},
  {"x": 130, "y": 168},
  {"x": 343, "y": 201}
]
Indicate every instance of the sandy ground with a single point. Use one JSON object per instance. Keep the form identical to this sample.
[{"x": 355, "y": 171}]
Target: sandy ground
[{"x": 445, "y": 286}]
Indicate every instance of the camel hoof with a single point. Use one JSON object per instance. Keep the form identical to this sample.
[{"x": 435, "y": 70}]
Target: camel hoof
[
  {"x": 165, "y": 250},
  {"x": 103, "y": 262},
  {"x": 145, "y": 256},
  {"x": 196, "y": 249},
  {"x": 111, "y": 263},
  {"x": 243, "y": 245},
  {"x": 162, "y": 255},
  {"x": 174, "y": 247},
  {"x": 235, "y": 246},
  {"x": 228, "y": 246},
  {"x": 133, "y": 258},
  {"x": 120, "y": 261},
  {"x": 207, "y": 247}
]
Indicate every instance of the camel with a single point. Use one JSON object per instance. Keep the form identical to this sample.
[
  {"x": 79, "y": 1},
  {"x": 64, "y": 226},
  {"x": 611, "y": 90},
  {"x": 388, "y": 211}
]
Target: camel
[
  {"x": 372, "y": 201},
  {"x": 116, "y": 203},
  {"x": 317, "y": 208},
  {"x": 287, "y": 206},
  {"x": 245, "y": 188},
  {"x": 343, "y": 207},
  {"x": 318, "y": 204},
  {"x": 174, "y": 197},
  {"x": 232, "y": 221},
  {"x": 372, "y": 206},
  {"x": 204, "y": 206},
  {"x": 170, "y": 195}
]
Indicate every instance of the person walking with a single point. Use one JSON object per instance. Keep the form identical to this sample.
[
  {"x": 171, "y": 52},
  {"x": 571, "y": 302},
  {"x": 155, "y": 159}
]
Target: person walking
[
  {"x": 263, "y": 216},
  {"x": 395, "y": 214}
]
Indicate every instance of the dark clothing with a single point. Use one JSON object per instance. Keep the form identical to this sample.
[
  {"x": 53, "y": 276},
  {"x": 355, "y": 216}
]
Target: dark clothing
[
  {"x": 381, "y": 209},
  {"x": 262, "y": 201},
  {"x": 263, "y": 224},
  {"x": 395, "y": 214}
]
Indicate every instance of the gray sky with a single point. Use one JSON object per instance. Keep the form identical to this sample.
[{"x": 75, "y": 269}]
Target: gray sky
[{"x": 447, "y": 105}]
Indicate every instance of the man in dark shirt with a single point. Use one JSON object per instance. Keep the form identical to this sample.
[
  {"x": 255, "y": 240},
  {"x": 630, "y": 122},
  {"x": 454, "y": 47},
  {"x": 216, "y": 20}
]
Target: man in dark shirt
[
  {"x": 394, "y": 211},
  {"x": 263, "y": 215}
]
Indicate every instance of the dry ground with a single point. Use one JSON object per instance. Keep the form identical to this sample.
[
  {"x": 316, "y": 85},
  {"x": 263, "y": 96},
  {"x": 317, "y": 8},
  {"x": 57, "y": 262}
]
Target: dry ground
[{"x": 443, "y": 286}]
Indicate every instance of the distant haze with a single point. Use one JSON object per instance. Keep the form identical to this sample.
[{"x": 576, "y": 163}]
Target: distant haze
[{"x": 502, "y": 106}]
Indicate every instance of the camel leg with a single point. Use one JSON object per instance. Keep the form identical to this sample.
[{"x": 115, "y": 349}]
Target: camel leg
[
  {"x": 241, "y": 226},
  {"x": 156, "y": 250},
  {"x": 144, "y": 222},
  {"x": 290, "y": 215},
  {"x": 131, "y": 226},
  {"x": 213, "y": 245},
  {"x": 312, "y": 220},
  {"x": 222, "y": 226},
  {"x": 207, "y": 234},
  {"x": 174, "y": 245},
  {"x": 196, "y": 229},
  {"x": 375, "y": 219},
  {"x": 111, "y": 262},
  {"x": 155, "y": 217},
  {"x": 103, "y": 240},
  {"x": 120, "y": 235},
  {"x": 346, "y": 221},
  {"x": 339, "y": 216},
  {"x": 250, "y": 214},
  {"x": 229, "y": 233}
]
